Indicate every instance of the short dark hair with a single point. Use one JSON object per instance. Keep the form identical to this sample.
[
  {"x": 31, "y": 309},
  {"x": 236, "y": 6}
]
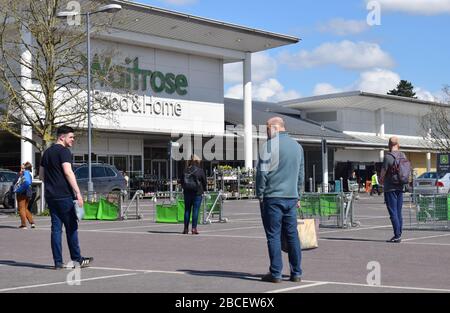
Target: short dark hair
[
  {"x": 28, "y": 166},
  {"x": 64, "y": 130}
]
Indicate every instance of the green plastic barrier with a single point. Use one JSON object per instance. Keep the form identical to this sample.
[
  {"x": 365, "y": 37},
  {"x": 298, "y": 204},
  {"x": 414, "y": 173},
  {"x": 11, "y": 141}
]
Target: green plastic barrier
[
  {"x": 107, "y": 211},
  {"x": 448, "y": 208},
  {"x": 309, "y": 205},
  {"x": 437, "y": 211},
  {"x": 90, "y": 211},
  {"x": 174, "y": 213},
  {"x": 210, "y": 202},
  {"x": 329, "y": 205},
  {"x": 167, "y": 213},
  {"x": 180, "y": 207}
]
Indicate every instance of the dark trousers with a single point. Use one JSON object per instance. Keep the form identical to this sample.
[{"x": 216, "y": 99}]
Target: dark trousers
[
  {"x": 375, "y": 188},
  {"x": 192, "y": 203},
  {"x": 394, "y": 202},
  {"x": 62, "y": 212},
  {"x": 280, "y": 215}
]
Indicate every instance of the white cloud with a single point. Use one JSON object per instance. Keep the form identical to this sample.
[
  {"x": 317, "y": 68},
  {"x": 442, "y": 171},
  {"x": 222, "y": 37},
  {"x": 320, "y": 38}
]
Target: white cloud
[
  {"x": 269, "y": 90},
  {"x": 325, "y": 89},
  {"x": 421, "y": 7},
  {"x": 179, "y": 2},
  {"x": 379, "y": 81},
  {"x": 345, "y": 54},
  {"x": 344, "y": 27},
  {"x": 263, "y": 67},
  {"x": 423, "y": 94}
]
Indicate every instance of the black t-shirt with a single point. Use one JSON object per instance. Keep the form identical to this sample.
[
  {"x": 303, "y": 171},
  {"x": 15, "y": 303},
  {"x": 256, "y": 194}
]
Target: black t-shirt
[{"x": 56, "y": 184}]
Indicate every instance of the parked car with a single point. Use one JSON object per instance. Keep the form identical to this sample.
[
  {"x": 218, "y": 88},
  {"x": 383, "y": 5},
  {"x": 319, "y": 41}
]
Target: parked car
[
  {"x": 106, "y": 178},
  {"x": 432, "y": 183},
  {"x": 7, "y": 178}
]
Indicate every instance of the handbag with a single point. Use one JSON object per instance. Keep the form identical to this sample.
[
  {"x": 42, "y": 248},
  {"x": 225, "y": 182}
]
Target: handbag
[{"x": 306, "y": 233}]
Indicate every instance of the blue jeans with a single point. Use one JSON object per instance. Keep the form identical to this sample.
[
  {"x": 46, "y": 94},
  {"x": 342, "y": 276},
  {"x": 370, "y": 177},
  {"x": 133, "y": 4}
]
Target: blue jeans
[
  {"x": 394, "y": 202},
  {"x": 191, "y": 201},
  {"x": 62, "y": 212},
  {"x": 279, "y": 214}
]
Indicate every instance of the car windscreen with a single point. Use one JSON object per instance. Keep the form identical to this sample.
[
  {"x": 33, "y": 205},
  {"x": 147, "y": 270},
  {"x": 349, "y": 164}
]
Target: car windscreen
[{"x": 8, "y": 176}]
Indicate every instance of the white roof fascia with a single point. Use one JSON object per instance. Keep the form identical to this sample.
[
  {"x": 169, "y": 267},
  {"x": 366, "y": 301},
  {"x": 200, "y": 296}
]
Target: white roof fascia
[{"x": 151, "y": 41}]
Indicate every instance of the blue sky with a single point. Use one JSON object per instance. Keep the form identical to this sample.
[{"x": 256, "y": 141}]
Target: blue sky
[{"x": 339, "y": 51}]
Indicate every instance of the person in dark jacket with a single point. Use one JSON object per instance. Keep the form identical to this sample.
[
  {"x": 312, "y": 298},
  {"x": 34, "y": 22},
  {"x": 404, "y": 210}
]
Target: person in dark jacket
[
  {"x": 24, "y": 194},
  {"x": 194, "y": 185}
]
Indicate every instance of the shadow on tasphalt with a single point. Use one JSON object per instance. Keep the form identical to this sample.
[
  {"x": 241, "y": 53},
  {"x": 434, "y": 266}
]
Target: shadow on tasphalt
[{"x": 22, "y": 264}]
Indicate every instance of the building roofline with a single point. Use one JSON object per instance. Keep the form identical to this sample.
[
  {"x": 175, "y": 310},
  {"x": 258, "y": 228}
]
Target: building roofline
[
  {"x": 207, "y": 22},
  {"x": 360, "y": 93}
]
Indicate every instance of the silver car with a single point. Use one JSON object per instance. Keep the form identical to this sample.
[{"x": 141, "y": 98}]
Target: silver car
[
  {"x": 7, "y": 178},
  {"x": 106, "y": 178},
  {"x": 432, "y": 183}
]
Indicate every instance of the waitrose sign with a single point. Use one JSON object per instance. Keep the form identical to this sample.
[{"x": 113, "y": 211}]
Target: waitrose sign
[{"x": 131, "y": 77}]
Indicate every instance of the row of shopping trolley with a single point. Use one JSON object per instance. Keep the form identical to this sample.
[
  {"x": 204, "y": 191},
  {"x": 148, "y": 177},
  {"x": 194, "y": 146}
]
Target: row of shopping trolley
[
  {"x": 331, "y": 209},
  {"x": 427, "y": 212}
]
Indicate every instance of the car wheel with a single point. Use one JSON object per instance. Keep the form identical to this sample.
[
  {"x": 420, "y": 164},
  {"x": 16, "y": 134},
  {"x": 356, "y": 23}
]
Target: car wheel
[{"x": 6, "y": 204}]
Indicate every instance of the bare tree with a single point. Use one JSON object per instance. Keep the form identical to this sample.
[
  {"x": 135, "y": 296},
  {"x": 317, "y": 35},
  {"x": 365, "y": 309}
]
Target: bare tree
[
  {"x": 436, "y": 124},
  {"x": 47, "y": 89}
]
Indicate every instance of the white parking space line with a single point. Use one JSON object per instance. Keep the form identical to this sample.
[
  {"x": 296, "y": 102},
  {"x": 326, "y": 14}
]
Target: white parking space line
[
  {"x": 429, "y": 237},
  {"x": 354, "y": 229},
  {"x": 230, "y": 229},
  {"x": 299, "y": 287},
  {"x": 65, "y": 282},
  {"x": 381, "y": 286}
]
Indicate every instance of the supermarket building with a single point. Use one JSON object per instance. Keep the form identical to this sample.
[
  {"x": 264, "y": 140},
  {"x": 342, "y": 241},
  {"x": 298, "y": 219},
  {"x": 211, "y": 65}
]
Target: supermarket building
[{"x": 175, "y": 63}]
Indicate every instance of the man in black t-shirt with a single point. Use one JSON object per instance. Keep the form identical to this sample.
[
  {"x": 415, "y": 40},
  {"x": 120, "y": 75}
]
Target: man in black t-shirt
[{"x": 61, "y": 193}]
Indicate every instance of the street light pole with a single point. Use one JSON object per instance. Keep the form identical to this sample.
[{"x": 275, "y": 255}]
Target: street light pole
[
  {"x": 88, "y": 31},
  {"x": 110, "y": 8}
]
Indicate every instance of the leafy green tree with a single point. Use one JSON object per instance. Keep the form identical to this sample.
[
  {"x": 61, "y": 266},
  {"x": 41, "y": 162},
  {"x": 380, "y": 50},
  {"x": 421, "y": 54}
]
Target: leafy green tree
[{"x": 404, "y": 89}]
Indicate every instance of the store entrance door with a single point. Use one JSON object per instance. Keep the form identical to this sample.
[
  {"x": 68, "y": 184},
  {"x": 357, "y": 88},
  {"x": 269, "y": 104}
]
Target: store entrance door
[
  {"x": 121, "y": 163},
  {"x": 160, "y": 169}
]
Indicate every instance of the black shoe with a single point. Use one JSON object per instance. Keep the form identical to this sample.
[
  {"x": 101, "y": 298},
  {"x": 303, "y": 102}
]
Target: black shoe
[
  {"x": 85, "y": 262},
  {"x": 59, "y": 267},
  {"x": 270, "y": 279},
  {"x": 395, "y": 240},
  {"x": 295, "y": 279}
]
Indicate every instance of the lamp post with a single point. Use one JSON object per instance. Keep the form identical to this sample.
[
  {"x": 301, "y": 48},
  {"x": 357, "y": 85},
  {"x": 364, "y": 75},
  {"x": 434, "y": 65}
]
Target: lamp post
[
  {"x": 325, "y": 186},
  {"x": 110, "y": 8}
]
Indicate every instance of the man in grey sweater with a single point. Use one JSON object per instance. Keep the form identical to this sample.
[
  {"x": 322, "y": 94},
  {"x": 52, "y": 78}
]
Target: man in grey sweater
[{"x": 279, "y": 183}]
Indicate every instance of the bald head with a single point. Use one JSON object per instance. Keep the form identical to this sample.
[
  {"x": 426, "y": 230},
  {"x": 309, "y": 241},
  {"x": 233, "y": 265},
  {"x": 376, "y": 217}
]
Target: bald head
[
  {"x": 394, "y": 144},
  {"x": 274, "y": 126}
]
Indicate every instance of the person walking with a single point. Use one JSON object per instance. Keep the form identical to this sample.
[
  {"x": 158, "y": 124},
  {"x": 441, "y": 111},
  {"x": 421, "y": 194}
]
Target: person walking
[
  {"x": 375, "y": 184},
  {"x": 194, "y": 185},
  {"x": 393, "y": 187},
  {"x": 61, "y": 192},
  {"x": 279, "y": 183},
  {"x": 24, "y": 193}
]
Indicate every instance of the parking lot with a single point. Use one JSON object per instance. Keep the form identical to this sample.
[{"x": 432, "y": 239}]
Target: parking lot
[{"x": 142, "y": 256}]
